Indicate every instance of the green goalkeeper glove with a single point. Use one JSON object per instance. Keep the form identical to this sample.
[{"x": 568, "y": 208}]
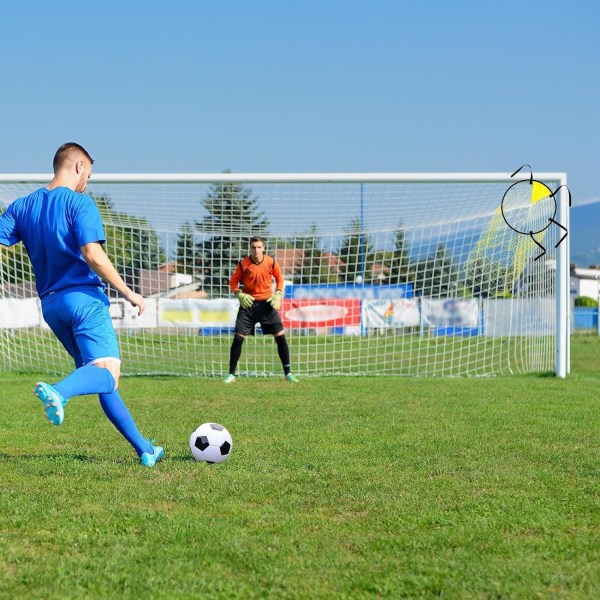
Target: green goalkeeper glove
[
  {"x": 275, "y": 300},
  {"x": 246, "y": 300}
]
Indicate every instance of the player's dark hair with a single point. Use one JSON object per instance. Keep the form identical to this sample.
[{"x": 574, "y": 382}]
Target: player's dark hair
[
  {"x": 257, "y": 238},
  {"x": 65, "y": 151}
]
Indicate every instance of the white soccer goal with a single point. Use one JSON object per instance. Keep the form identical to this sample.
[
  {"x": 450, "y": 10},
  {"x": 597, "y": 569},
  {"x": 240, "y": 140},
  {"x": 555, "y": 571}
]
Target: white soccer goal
[{"x": 387, "y": 274}]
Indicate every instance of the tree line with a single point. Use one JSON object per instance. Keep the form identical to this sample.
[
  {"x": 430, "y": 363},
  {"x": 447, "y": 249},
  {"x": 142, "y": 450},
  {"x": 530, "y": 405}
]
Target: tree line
[{"x": 209, "y": 249}]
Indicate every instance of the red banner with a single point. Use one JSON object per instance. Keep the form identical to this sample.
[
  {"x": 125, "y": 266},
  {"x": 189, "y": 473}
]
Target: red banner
[{"x": 297, "y": 314}]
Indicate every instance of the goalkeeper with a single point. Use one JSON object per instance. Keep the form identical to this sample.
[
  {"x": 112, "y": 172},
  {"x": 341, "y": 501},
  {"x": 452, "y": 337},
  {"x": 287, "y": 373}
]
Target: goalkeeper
[{"x": 258, "y": 304}]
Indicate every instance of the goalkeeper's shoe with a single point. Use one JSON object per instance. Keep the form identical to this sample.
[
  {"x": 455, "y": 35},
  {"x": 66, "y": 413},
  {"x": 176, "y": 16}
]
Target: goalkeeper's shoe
[
  {"x": 53, "y": 402},
  {"x": 149, "y": 459},
  {"x": 291, "y": 379},
  {"x": 229, "y": 379}
]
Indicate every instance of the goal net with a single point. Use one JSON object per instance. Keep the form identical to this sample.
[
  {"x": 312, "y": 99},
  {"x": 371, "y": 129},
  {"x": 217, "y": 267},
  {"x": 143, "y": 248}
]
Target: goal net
[{"x": 385, "y": 274}]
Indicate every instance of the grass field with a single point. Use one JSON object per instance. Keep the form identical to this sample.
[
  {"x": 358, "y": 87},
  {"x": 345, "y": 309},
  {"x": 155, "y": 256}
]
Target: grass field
[
  {"x": 336, "y": 488},
  {"x": 176, "y": 353}
]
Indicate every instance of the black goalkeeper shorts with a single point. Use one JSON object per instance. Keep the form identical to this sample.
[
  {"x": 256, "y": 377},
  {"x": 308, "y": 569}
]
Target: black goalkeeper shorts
[{"x": 260, "y": 312}]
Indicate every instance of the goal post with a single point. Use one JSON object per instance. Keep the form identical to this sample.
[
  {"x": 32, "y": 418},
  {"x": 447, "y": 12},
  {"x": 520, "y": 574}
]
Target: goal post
[{"x": 386, "y": 273}]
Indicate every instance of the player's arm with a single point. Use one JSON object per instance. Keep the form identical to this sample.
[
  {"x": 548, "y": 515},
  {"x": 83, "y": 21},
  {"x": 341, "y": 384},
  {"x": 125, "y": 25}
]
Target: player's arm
[
  {"x": 245, "y": 300},
  {"x": 275, "y": 299},
  {"x": 279, "y": 280},
  {"x": 9, "y": 234},
  {"x": 98, "y": 261},
  {"x": 234, "y": 281}
]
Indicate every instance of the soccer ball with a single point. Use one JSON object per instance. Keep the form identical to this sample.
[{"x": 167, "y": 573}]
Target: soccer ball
[{"x": 211, "y": 443}]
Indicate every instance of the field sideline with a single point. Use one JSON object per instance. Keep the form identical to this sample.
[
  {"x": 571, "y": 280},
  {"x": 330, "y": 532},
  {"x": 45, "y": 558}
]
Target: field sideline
[{"x": 336, "y": 488}]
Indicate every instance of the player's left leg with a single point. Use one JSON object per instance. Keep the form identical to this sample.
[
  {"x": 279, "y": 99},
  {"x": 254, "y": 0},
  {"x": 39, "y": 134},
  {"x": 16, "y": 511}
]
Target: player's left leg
[
  {"x": 114, "y": 408},
  {"x": 73, "y": 316},
  {"x": 271, "y": 323},
  {"x": 93, "y": 343},
  {"x": 284, "y": 355}
]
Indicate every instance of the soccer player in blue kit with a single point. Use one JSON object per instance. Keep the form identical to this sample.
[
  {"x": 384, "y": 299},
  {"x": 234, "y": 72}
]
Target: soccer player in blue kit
[{"x": 63, "y": 234}]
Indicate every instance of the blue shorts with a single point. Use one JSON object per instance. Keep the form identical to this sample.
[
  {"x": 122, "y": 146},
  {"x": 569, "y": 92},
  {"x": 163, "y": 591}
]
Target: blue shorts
[{"x": 80, "y": 319}]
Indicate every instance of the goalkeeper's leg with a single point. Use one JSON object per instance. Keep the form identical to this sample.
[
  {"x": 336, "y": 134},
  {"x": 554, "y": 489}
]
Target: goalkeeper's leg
[
  {"x": 284, "y": 354},
  {"x": 234, "y": 356}
]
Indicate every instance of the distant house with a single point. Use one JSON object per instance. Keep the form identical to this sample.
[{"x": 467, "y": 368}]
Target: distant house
[
  {"x": 290, "y": 262},
  {"x": 163, "y": 282},
  {"x": 585, "y": 282},
  {"x": 334, "y": 262}
]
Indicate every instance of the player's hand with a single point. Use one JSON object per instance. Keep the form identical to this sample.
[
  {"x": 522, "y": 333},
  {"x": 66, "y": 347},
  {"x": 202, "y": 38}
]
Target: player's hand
[
  {"x": 275, "y": 300},
  {"x": 137, "y": 300},
  {"x": 246, "y": 300}
]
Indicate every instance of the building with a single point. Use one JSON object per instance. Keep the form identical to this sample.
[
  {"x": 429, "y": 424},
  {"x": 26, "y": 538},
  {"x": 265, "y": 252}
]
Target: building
[{"x": 585, "y": 282}]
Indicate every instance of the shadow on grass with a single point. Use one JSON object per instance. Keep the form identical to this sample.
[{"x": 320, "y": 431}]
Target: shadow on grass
[{"x": 81, "y": 457}]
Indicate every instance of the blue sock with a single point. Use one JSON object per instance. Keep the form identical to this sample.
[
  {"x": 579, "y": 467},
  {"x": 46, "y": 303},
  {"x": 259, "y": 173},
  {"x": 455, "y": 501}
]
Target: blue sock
[
  {"x": 86, "y": 380},
  {"x": 119, "y": 416}
]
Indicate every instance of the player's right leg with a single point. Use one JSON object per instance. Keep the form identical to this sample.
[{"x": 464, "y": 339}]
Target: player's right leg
[
  {"x": 117, "y": 413},
  {"x": 272, "y": 324},
  {"x": 244, "y": 324}
]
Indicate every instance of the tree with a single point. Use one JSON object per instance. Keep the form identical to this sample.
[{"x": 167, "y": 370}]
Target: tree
[
  {"x": 15, "y": 266},
  {"x": 312, "y": 256},
  {"x": 486, "y": 277},
  {"x": 185, "y": 257},
  {"x": 354, "y": 253},
  {"x": 399, "y": 261},
  {"x": 232, "y": 219},
  {"x": 131, "y": 243},
  {"x": 435, "y": 275}
]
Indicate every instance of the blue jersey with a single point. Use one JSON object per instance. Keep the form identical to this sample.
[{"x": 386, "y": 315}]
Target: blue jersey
[{"x": 53, "y": 225}]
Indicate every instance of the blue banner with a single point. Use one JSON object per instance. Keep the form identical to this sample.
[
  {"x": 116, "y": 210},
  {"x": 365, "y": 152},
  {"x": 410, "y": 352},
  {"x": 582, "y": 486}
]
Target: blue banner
[{"x": 349, "y": 291}]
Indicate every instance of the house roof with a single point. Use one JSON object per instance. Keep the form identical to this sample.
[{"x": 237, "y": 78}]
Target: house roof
[
  {"x": 289, "y": 259},
  {"x": 334, "y": 262},
  {"x": 580, "y": 273}
]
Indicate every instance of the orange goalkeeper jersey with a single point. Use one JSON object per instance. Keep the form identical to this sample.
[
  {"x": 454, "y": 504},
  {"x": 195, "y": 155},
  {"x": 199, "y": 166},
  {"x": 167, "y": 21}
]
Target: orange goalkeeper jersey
[{"x": 257, "y": 278}]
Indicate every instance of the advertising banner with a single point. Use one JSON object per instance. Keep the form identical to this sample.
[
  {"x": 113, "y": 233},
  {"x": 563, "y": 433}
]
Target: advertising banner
[
  {"x": 392, "y": 314},
  {"x": 450, "y": 312},
  {"x": 299, "y": 314},
  {"x": 216, "y": 314},
  {"x": 349, "y": 291},
  {"x": 519, "y": 316},
  {"x": 125, "y": 316}
]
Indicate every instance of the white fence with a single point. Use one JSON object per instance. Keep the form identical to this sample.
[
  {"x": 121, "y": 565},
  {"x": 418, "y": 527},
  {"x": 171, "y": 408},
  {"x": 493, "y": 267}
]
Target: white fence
[{"x": 449, "y": 316}]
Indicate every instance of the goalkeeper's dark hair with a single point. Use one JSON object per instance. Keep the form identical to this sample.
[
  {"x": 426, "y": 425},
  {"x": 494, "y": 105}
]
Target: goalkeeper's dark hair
[
  {"x": 257, "y": 238},
  {"x": 67, "y": 152}
]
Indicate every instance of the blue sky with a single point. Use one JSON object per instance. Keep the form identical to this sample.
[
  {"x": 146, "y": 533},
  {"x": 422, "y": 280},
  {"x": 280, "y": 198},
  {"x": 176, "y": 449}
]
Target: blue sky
[{"x": 266, "y": 86}]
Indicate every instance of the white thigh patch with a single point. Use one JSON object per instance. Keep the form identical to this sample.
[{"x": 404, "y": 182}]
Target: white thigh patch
[{"x": 104, "y": 359}]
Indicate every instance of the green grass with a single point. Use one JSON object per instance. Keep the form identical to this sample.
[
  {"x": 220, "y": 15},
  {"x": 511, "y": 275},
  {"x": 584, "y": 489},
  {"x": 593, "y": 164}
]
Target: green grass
[
  {"x": 146, "y": 352},
  {"x": 336, "y": 488}
]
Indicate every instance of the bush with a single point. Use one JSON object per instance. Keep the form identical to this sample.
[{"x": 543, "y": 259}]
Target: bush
[{"x": 586, "y": 301}]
